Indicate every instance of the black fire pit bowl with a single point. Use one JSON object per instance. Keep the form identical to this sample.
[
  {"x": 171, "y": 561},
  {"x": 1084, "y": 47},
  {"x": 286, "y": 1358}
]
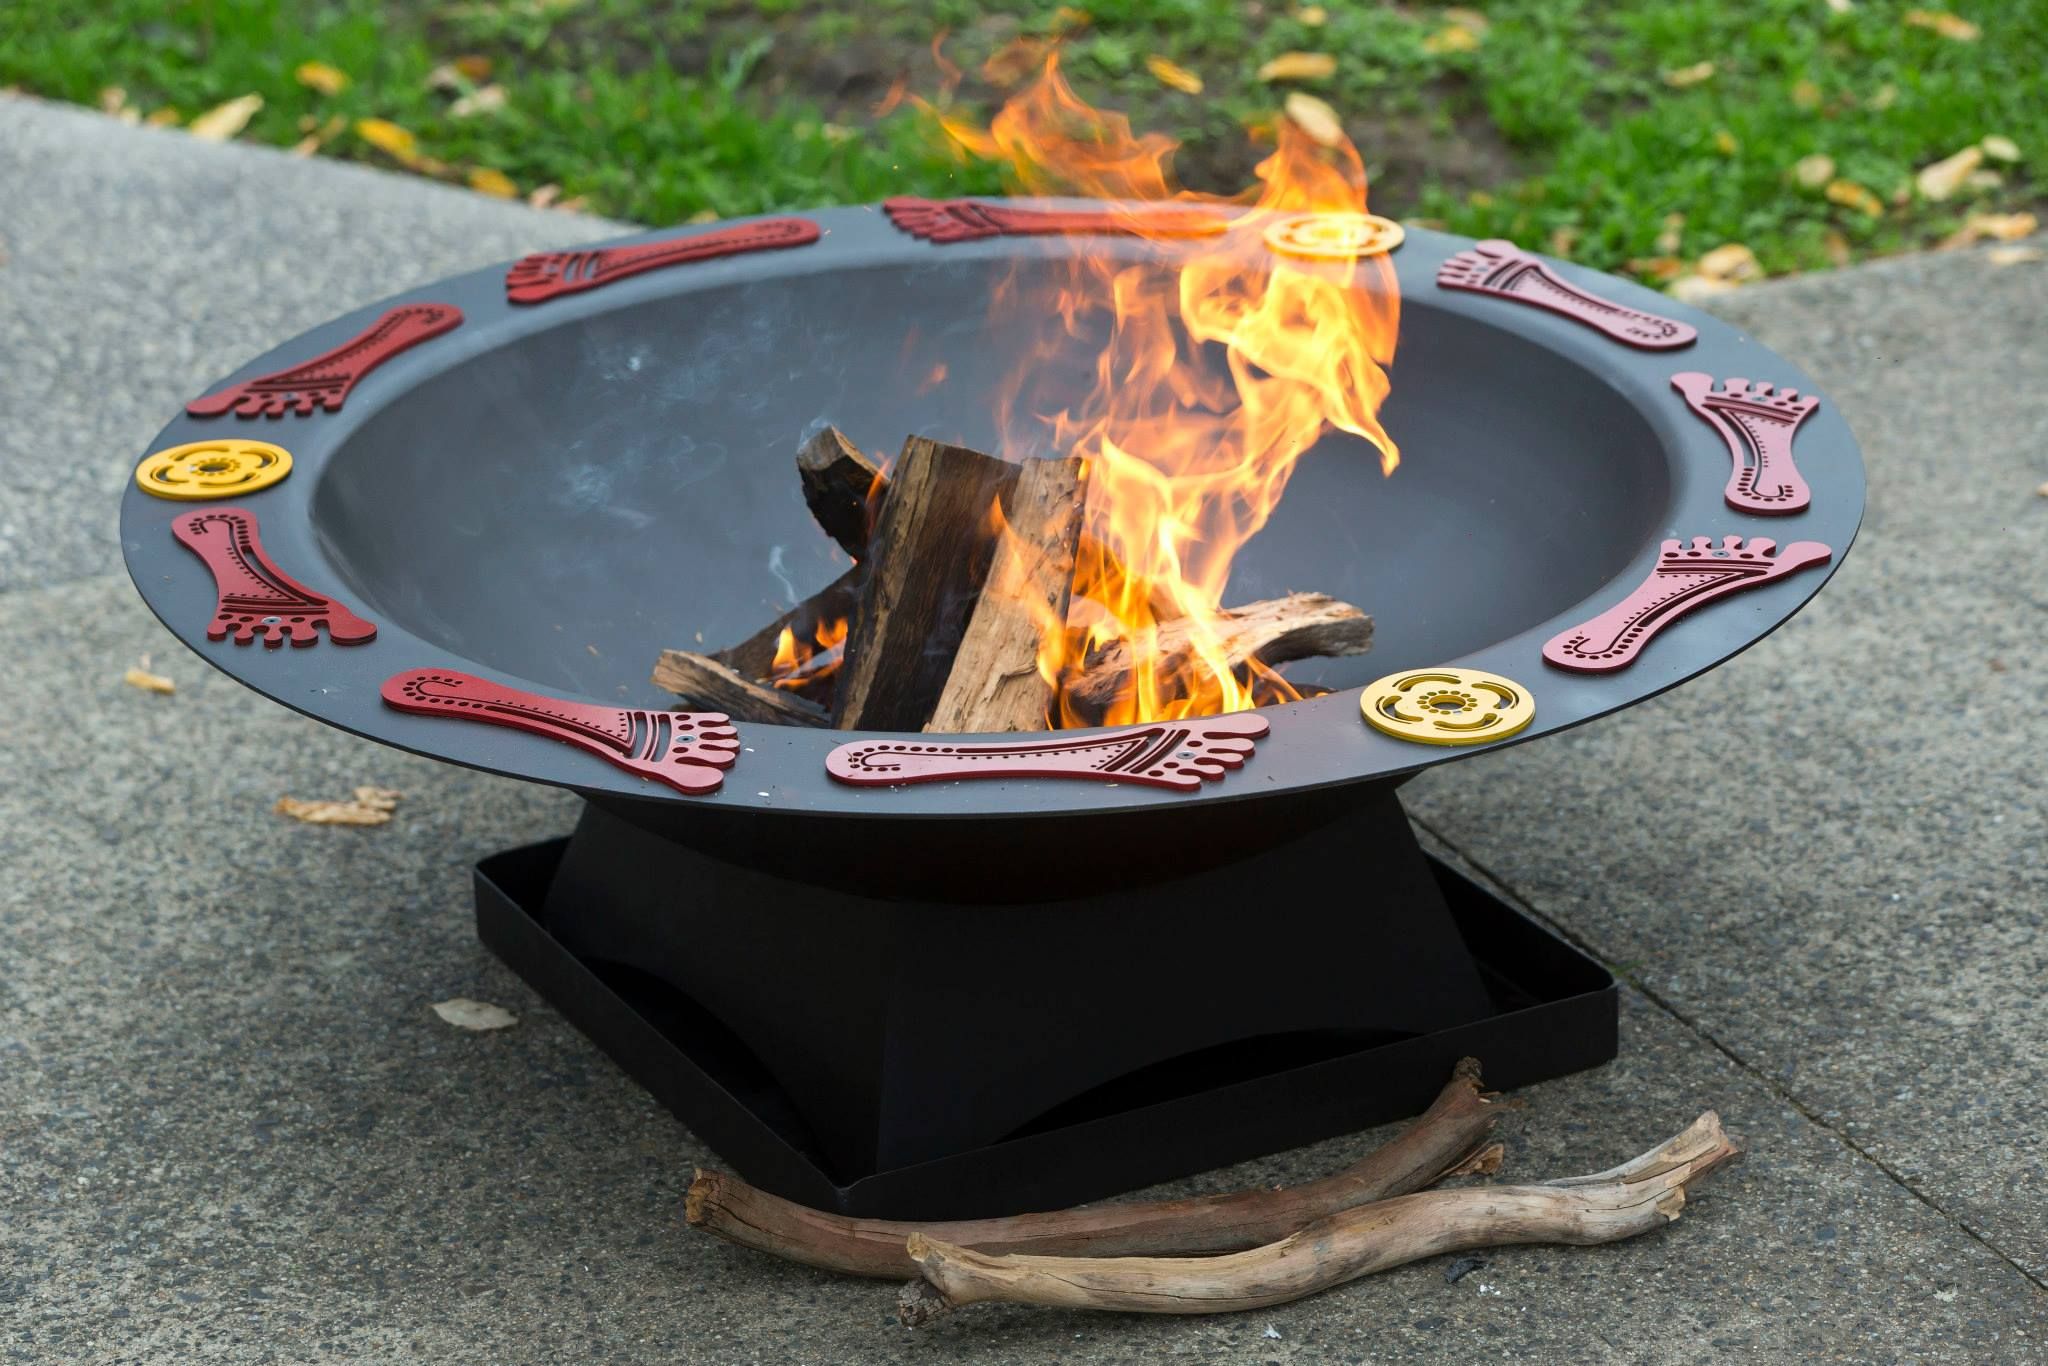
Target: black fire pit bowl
[{"x": 964, "y": 998}]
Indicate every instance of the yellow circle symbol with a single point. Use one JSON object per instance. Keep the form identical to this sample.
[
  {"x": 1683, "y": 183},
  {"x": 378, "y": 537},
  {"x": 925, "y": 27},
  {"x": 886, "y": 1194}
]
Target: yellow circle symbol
[
  {"x": 222, "y": 468},
  {"x": 1334, "y": 236},
  {"x": 1448, "y": 706}
]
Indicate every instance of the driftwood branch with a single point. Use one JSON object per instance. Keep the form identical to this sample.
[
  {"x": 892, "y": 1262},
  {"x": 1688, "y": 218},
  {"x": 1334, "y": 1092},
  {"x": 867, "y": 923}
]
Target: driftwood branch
[
  {"x": 704, "y": 683},
  {"x": 995, "y": 683},
  {"x": 1297, "y": 626},
  {"x": 1631, "y": 1199},
  {"x": 1446, "y": 1139}
]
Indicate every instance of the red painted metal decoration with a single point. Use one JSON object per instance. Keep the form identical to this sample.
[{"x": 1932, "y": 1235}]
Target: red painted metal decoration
[
  {"x": 551, "y": 274},
  {"x": 967, "y": 220},
  {"x": 1500, "y": 267},
  {"x": 257, "y": 600},
  {"x": 1176, "y": 754},
  {"x": 687, "y": 750},
  {"x": 1758, "y": 427},
  {"x": 327, "y": 379},
  {"x": 1685, "y": 578}
]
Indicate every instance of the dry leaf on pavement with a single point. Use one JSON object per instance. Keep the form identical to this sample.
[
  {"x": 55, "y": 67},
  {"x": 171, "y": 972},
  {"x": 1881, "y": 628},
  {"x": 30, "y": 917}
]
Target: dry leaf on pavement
[
  {"x": 1299, "y": 66},
  {"x": 1173, "y": 75},
  {"x": 495, "y": 183},
  {"x": 371, "y": 806},
  {"x": 1731, "y": 263},
  {"x": 387, "y": 137},
  {"x": 2013, "y": 256},
  {"x": 223, "y": 121},
  {"x": 464, "y": 1013},
  {"x": 1999, "y": 227},
  {"x": 142, "y": 678}
]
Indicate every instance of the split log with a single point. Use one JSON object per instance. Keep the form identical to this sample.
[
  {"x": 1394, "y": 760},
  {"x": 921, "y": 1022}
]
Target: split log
[
  {"x": 1634, "y": 1198},
  {"x": 1298, "y": 626},
  {"x": 842, "y": 487},
  {"x": 928, "y": 560},
  {"x": 754, "y": 657},
  {"x": 1447, "y": 1139},
  {"x": 704, "y": 683},
  {"x": 995, "y": 683}
]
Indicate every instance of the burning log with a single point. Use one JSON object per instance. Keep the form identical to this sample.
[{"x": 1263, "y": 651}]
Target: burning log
[
  {"x": 842, "y": 487},
  {"x": 1298, "y": 626},
  {"x": 1634, "y": 1198},
  {"x": 754, "y": 657},
  {"x": 928, "y": 560},
  {"x": 1446, "y": 1140},
  {"x": 702, "y": 682}
]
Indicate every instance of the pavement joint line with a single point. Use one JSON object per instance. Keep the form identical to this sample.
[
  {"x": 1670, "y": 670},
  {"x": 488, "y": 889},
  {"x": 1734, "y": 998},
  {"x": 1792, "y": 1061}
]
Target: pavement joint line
[{"x": 1742, "y": 1064}]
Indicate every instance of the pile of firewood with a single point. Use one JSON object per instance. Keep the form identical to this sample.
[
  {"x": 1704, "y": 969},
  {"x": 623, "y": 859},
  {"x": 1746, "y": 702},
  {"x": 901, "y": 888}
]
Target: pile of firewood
[
  {"x": 960, "y": 559},
  {"x": 1247, "y": 1249}
]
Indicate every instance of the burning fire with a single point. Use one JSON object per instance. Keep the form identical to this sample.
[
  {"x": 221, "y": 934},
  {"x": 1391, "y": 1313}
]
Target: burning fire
[
  {"x": 803, "y": 664},
  {"x": 1224, "y": 362}
]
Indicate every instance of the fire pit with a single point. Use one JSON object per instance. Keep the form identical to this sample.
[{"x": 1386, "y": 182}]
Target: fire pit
[{"x": 927, "y": 975}]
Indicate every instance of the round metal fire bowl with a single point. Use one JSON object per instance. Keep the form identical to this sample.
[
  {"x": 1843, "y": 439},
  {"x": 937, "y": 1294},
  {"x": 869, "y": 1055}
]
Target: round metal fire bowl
[{"x": 547, "y": 495}]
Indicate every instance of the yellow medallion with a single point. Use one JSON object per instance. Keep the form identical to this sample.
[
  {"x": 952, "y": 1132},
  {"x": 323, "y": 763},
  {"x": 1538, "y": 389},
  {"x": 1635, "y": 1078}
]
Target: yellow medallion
[
  {"x": 1448, "y": 706},
  {"x": 1334, "y": 236},
  {"x": 226, "y": 467}
]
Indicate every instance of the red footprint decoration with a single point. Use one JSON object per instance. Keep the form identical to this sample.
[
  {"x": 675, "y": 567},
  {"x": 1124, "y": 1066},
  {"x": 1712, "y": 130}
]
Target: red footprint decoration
[
  {"x": 1178, "y": 754},
  {"x": 687, "y": 750},
  {"x": 327, "y": 378},
  {"x": 1501, "y": 268},
  {"x": 257, "y": 600},
  {"x": 1685, "y": 578},
  {"x": 1758, "y": 427},
  {"x": 967, "y": 220},
  {"x": 551, "y": 274}
]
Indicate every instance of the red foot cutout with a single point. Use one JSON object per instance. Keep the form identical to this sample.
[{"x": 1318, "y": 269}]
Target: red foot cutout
[
  {"x": 327, "y": 379},
  {"x": 966, "y": 220},
  {"x": 1685, "y": 578},
  {"x": 1175, "y": 754},
  {"x": 259, "y": 601},
  {"x": 550, "y": 274},
  {"x": 1759, "y": 427},
  {"x": 1502, "y": 268},
  {"x": 684, "y": 749}
]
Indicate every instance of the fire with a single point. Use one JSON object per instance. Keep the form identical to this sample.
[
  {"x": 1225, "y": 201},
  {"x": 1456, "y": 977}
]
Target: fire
[
  {"x": 801, "y": 664},
  {"x": 1224, "y": 362}
]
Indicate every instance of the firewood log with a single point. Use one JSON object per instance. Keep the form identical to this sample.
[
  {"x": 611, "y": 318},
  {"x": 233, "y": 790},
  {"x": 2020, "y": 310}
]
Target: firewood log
[{"x": 704, "y": 683}]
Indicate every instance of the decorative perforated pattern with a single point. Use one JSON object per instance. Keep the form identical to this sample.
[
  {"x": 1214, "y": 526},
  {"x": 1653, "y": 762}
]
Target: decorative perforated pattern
[
  {"x": 1181, "y": 755},
  {"x": 1503, "y": 269},
  {"x": 551, "y": 274},
  {"x": 256, "y": 599},
  {"x": 326, "y": 379},
  {"x": 967, "y": 220},
  {"x": 1758, "y": 423}
]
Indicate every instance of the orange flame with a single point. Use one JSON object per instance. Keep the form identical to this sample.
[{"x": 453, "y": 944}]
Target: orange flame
[
  {"x": 800, "y": 664},
  {"x": 1223, "y": 363}
]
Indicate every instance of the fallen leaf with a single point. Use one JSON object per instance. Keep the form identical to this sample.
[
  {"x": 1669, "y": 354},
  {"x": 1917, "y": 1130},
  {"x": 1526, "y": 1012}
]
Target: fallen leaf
[
  {"x": 1173, "y": 75},
  {"x": 114, "y": 101},
  {"x": 1947, "y": 25},
  {"x": 487, "y": 99},
  {"x": 148, "y": 682},
  {"x": 1682, "y": 77},
  {"x": 474, "y": 65},
  {"x": 493, "y": 182},
  {"x": 1313, "y": 16},
  {"x": 389, "y": 138},
  {"x": 1450, "y": 38},
  {"x": 1562, "y": 239},
  {"x": 701, "y": 216},
  {"x": 2004, "y": 227},
  {"x": 1673, "y": 235},
  {"x": 446, "y": 76},
  {"x": 1014, "y": 61},
  {"x": 2016, "y": 256},
  {"x": 481, "y": 1016},
  {"x": 1299, "y": 66},
  {"x": 1692, "y": 289},
  {"x": 1731, "y": 262},
  {"x": 223, "y": 121},
  {"x": 1657, "y": 269},
  {"x": 1315, "y": 118},
  {"x": 2000, "y": 148},
  {"x": 1943, "y": 178},
  {"x": 573, "y": 204},
  {"x": 1984, "y": 180},
  {"x": 166, "y": 117},
  {"x": 544, "y": 195},
  {"x": 328, "y": 80},
  {"x": 1851, "y": 195},
  {"x": 1813, "y": 172},
  {"x": 1836, "y": 246},
  {"x": 1883, "y": 98},
  {"x": 371, "y": 806},
  {"x": 1725, "y": 143},
  {"x": 317, "y": 137},
  {"x": 2041, "y": 492},
  {"x": 1841, "y": 6},
  {"x": 1806, "y": 94}
]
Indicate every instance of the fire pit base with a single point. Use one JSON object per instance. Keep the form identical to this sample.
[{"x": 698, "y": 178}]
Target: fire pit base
[{"x": 1547, "y": 1010}]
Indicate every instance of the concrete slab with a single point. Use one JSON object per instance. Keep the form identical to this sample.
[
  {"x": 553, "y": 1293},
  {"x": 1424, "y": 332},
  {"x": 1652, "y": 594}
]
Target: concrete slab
[
  {"x": 1829, "y": 855},
  {"x": 137, "y": 266}
]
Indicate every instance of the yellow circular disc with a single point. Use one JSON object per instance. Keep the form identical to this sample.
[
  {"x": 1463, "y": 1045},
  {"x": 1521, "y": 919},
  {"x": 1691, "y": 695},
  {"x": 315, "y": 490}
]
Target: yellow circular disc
[
  {"x": 1334, "y": 236},
  {"x": 1448, "y": 706},
  {"x": 227, "y": 467}
]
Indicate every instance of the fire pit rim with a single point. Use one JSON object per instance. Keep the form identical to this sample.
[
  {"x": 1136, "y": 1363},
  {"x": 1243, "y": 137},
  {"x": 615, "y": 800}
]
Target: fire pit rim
[{"x": 1315, "y": 744}]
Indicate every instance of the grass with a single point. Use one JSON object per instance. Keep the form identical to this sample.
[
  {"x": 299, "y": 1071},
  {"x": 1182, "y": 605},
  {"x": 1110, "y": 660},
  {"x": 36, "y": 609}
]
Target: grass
[{"x": 1557, "y": 127}]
